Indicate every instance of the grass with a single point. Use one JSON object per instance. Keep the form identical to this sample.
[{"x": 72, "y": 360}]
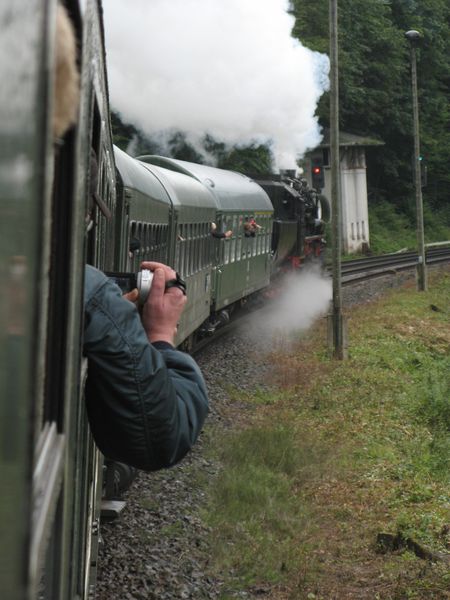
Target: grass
[{"x": 337, "y": 453}]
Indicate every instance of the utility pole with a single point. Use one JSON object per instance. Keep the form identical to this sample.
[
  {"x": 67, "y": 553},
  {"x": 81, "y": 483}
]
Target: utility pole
[
  {"x": 413, "y": 38},
  {"x": 337, "y": 320}
]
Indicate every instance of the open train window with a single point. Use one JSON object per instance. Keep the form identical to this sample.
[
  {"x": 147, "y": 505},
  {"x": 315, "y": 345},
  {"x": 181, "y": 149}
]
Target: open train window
[
  {"x": 59, "y": 284},
  {"x": 239, "y": 245}
]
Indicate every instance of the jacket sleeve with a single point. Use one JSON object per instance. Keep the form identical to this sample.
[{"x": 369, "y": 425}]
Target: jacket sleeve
[{"x": 145, "y": 406}]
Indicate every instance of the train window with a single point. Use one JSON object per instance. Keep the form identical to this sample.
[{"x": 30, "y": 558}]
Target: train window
[
  {"x": 186, "y": 249},
  {"x": 201, "y": 256},
  {"x": 245, "y": 241},
  {"x": 144, "y": 240},
  {"x": 150, "y": 238},
  {"x": 161, "y": 234},
  {"x": 197, "y": 247},
  {"x": 206, "y": 245},
  {"x": 226, "y": 251},
  {"x": 143, "y": 248},
  {"x": 139, "y": 237},
  {"x": 202, "y": 247},
  {"x": 178, "y": 255},
  {"x": 265, "y": 231},
  {"x": 145, "y": 237},
  {"x": 193, "y": 249},
  {"x": 181, "y": 240},
  {"x": 235, "y": 237},
  {"x": 232, "y": 242},
  {"x": 155, "y": 240},
  {"x": 163, "y": 242},
  {"x": 238, "y": 246},
  {"x": 133, "y": 229},
  {"x": 184, "y": 243},
  {"x": 192, "y": 252},
  {"x": 261, "y": 235}
]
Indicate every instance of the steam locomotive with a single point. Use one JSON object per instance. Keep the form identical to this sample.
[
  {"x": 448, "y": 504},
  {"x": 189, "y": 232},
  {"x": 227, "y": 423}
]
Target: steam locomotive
[{"x": 161, "y": 209}]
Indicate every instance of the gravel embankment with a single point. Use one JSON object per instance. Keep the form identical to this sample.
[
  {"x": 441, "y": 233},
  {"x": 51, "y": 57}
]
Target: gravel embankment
[{"x": 158, "y": 548}]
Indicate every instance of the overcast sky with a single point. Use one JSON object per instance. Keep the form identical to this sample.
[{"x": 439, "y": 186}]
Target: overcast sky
[{"x": 225, "y": 67}]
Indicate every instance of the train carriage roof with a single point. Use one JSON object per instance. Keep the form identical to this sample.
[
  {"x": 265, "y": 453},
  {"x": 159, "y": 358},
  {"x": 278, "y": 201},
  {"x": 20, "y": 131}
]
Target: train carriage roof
[
  {"x": 169, "y": 186},
  {"x": 136, "y": 177},
  {"x": 232, "y": 191},
  {"x": 184, "y": 191}
]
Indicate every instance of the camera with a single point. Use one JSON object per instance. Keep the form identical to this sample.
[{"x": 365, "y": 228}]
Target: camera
[
  {"x": 130, "y": 281},
  {"x": 143, "y": 282}
]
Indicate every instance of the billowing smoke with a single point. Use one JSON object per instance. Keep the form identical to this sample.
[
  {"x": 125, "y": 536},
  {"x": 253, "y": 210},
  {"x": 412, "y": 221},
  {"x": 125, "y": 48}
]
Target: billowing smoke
[
  {"x": 304, "y": 298},
  {"x": 229, "y": 69}
]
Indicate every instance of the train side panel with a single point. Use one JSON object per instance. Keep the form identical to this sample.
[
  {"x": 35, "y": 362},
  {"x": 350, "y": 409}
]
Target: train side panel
[
  {"x": 24, "y": 208},
  {"x": 51, "y": 471}
]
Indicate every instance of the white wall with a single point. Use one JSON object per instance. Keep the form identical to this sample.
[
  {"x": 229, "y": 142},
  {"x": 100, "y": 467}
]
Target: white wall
[
  {"x": 355, "y": 210},
  {"x": 355, "y": 214}
]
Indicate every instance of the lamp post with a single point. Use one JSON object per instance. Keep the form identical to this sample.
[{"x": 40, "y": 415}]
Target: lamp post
[{"x": 413, "y": 38}]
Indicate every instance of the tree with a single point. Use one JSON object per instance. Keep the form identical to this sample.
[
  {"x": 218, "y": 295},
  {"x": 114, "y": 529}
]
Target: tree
[{"x": 375, "y": 84}]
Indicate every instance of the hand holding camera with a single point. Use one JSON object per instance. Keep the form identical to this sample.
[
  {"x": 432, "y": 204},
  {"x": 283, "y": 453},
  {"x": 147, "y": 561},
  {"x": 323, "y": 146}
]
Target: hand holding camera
[
  {"x": 161, "y": 294},
  {"x": 162, "y": 311}
]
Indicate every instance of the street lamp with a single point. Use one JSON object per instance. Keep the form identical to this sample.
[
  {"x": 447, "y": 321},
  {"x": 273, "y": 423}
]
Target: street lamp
[{"x": 413, "y": 38}]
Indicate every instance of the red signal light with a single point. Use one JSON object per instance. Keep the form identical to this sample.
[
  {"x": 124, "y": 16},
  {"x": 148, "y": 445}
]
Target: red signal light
[{"x": 316, "y": 170}]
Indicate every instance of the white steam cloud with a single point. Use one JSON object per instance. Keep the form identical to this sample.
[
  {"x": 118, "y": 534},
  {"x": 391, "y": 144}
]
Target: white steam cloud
[
  {"x": 304, "y": 298},
  {"x": 229, "y": 68}
]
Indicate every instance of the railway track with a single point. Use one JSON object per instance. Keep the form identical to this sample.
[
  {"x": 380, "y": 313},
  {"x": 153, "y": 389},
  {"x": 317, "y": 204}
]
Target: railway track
[
  {"x": 352, "y": 272},
  {"x": 361, "y": 269}
]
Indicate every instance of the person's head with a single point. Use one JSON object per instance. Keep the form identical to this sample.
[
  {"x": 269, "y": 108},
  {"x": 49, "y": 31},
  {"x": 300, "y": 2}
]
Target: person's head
[{"x": 66, "y": 89}]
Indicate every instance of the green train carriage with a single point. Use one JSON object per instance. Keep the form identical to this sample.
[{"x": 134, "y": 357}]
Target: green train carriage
[
  {"x": 242, "y": 265},
  {"x": 50, "y": 468},
  {"x": 170, "y": 214}
]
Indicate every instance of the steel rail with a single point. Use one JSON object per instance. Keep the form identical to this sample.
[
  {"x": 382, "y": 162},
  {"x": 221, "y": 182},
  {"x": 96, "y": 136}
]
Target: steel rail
[
  {"x": 353, "y": 271},
  {"x": 374, "y": 266}
]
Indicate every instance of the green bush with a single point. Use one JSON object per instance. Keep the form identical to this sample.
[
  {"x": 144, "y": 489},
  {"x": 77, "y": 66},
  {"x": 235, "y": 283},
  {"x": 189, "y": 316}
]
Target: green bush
[{"x": 391, "y": 230}]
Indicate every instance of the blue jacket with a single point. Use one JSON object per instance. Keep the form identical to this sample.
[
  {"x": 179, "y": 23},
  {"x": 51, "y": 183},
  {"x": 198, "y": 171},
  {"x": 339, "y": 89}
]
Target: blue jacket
[{"x": 146, "y": 402}]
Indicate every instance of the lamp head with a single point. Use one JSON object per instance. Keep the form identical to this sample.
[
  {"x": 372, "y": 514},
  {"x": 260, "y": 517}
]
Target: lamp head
[{"x": 413, "y": 36}]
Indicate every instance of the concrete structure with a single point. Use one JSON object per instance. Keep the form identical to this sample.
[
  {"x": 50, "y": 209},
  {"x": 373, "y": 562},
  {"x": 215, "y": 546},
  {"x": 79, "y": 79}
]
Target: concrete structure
[{"x": 355, "y": 213}]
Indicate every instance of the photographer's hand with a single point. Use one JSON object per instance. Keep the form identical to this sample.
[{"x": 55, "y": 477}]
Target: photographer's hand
[
  {"x": 169, "y": 273},
  {"x": 162, "y": 311},
  {"x": 132, "y": 296}
]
